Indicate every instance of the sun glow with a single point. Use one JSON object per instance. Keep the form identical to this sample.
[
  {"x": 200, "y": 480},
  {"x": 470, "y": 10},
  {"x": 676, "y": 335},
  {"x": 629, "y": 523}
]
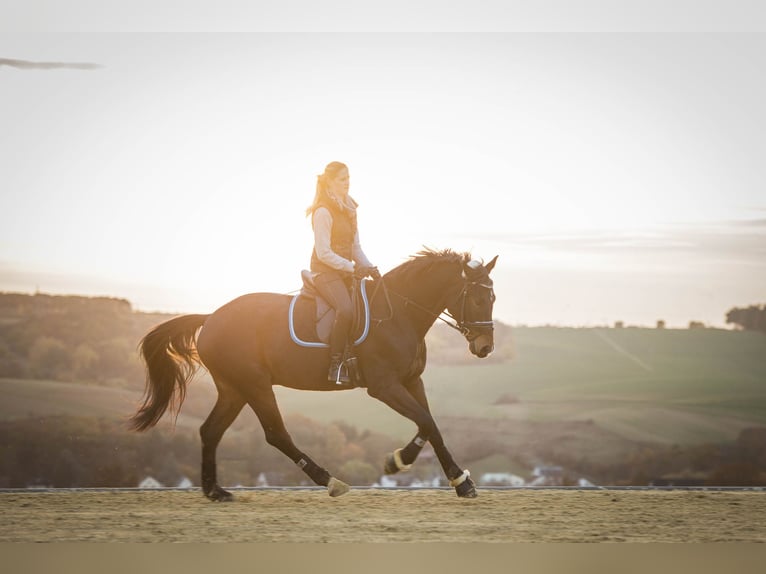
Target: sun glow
[{"x": 177, "y": 173}]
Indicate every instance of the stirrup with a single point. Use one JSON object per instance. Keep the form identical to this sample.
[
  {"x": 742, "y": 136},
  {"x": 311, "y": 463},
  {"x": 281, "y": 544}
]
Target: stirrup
[{"x": 335, "y": 373}]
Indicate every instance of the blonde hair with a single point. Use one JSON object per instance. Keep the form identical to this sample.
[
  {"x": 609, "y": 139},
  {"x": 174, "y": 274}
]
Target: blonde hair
[{"x": 331, "y": 171}]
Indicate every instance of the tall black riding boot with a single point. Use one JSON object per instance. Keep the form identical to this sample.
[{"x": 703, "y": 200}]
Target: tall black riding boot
[{"x": 337, "y": 374}]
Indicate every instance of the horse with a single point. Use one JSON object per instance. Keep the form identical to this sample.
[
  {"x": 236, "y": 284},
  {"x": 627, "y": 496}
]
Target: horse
[{"x": 246, "y": 347}]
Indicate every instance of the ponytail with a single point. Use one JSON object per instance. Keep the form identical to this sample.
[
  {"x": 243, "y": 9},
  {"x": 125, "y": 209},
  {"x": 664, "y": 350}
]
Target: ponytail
[{"x": 330, "y": 171}]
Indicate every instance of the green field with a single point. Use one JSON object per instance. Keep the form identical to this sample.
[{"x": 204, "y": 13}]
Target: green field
[
  {"x": 669, "y": 386},
  {"x": 635, "y": 385}
]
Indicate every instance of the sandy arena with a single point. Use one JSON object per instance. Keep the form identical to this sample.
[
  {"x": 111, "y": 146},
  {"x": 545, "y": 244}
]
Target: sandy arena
[{"x": 385, "y": 516}]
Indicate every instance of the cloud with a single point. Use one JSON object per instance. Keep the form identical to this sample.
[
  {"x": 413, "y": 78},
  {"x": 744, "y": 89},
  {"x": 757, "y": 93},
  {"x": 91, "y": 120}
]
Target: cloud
[
  {"x": 729, "y": 241},
  {"x": 27, "y": 65},
  {"x": 750, "y": 223}
]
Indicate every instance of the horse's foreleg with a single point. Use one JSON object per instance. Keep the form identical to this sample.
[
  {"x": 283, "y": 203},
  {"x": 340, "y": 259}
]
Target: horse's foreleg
[
  {"x": 264, "y": 404},
  {"x": 463, "y": 484},
  {"x": 411, "y": 402},
  {"x": 226, "y": 409}
]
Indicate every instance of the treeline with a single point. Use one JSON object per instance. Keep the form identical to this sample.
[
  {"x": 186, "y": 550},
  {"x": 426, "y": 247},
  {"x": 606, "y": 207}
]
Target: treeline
[
  {"x": 741, "y": 463},
  {"x": 752, "y": 318},
  {"x": 71, "y": 452},
  {"x": 71, "y": 338}
]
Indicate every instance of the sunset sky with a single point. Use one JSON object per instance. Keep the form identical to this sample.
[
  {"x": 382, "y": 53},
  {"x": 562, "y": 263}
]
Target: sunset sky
[{"x": 618, "y": 176}]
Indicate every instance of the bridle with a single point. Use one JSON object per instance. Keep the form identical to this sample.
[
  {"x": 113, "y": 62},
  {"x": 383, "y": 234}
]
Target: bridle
[{"x": 467, "y": 328}]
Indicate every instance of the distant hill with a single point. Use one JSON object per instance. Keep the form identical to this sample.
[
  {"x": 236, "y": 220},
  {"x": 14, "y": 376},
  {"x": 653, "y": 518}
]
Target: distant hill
[{"x": 71, "y": 338}]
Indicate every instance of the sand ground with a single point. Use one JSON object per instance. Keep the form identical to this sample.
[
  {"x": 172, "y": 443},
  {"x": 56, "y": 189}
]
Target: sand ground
[{"x": 385, "y": 516}]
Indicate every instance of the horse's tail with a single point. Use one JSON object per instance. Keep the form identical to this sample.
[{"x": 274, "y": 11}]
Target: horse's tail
[{"x": 170, "y": 353}]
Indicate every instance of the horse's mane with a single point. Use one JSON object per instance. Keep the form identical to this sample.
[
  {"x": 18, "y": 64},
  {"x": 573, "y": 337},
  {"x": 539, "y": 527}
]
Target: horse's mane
[{"x": 423, "y": 260}]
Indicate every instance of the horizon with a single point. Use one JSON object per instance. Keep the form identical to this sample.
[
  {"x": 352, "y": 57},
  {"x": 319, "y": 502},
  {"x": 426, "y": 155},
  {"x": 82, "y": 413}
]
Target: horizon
[
  {"x": 618, "y": 177},
  {"x": 619, "y": 324}
]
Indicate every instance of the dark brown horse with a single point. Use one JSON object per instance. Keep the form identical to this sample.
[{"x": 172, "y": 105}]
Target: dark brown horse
[{"x": 247, "y": 348}]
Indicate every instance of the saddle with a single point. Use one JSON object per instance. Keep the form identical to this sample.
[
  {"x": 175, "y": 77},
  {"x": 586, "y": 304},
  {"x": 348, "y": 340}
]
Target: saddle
[{"x": 310, "y": 317}]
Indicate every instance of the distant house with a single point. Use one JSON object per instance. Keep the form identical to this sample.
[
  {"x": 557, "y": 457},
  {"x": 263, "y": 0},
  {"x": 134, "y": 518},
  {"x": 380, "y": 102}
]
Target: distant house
[
  {"x": 386, "y": 482},
  {"x": 407, "y": 480},
  {"x": 427, "y": 483},
  {"x": 548, "y": 476},
  {"x": 500, "y": 479},
  {"x": 185, "y": 482},
  {"x": 150, "y": 482}
]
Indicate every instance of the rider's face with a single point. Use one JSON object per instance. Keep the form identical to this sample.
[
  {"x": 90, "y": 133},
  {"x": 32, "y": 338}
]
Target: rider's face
[{"x": 339, "y": 184}]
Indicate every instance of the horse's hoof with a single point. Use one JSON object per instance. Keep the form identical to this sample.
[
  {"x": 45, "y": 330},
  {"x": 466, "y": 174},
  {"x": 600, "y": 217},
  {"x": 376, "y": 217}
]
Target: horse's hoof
[
  {"x": 467, "y": 489},
  {"x": 389, "y": 467},
  {"x": 337, "y": 487},
  {"x": 218, "y": 494}
]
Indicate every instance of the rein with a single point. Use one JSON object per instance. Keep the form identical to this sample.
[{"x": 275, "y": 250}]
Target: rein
[{"x": 460, "y": 325}]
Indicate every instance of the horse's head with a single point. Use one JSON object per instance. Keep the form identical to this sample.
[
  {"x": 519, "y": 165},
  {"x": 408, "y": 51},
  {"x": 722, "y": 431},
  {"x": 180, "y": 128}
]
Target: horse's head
[{"x": 473, "y": 308}]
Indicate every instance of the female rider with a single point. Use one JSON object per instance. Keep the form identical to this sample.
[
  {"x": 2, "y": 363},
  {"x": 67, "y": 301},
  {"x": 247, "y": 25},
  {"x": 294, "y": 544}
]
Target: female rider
[{"x": 337, "y": 257}]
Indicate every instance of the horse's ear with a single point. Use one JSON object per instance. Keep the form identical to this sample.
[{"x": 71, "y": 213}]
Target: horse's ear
[{"x": 491, "y": 265}]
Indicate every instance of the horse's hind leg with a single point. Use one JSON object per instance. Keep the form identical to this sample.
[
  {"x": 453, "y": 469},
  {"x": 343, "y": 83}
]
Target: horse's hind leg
[
  {"x": 264, "y": 403},
  {"x": 226, "y": 409}
]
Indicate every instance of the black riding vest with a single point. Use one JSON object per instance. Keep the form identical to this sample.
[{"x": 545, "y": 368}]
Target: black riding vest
[{"x": 341, "y": 237}]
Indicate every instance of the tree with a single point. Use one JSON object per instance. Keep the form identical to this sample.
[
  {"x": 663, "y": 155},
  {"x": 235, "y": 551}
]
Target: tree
[
  {"x": 358, "y": 472},
  {"x": 751, "y": 444},
  {"x": 752, "y": 318},
  {"x": 84, "y": 360},
  {"x": 49, "y": 357},
  {"x": 736, "y": 474},
  {"x": 117, "y": 355},
  {"x": 11, "y": 365}
]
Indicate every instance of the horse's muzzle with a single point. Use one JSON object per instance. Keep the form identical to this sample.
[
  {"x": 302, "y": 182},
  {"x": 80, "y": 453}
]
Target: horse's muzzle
[{"x": 482, "y": 345}]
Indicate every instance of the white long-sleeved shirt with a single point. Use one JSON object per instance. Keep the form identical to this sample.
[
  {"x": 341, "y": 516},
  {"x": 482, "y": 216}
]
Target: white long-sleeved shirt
[{"x": 323, "y": 246}]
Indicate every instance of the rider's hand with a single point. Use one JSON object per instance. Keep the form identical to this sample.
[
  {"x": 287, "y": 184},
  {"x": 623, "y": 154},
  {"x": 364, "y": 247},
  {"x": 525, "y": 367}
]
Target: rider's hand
[
  {"x": 360, "y": 271},
  {"x": 374, "y": 273}
]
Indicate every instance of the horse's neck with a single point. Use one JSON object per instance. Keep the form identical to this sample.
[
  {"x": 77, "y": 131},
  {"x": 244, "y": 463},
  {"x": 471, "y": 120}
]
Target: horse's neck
[{"x": 432, "y": 293}]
